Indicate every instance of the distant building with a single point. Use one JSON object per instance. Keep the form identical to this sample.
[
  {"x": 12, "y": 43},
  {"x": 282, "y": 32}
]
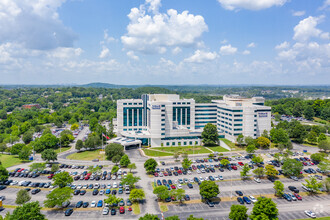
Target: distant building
[
  {"x": 167, "y": 120},
  {"x": 29, "y": 106}
]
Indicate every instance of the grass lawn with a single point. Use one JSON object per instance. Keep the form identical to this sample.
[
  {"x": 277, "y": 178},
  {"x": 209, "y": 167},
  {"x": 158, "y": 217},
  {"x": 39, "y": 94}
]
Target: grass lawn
[
  {"x": 231, "y": 144},
  {"x": 163, "y": 208},
  {"x": 87, "y": 155},
  {"x": 136, "y": 208},
  {"x": 184, "y": 149},
  {"x": 218, "y": 149},
  {"x": 10, "y": 160},
  {"x": 63, "y": 149},
  {"x": 152, "y": 153}
]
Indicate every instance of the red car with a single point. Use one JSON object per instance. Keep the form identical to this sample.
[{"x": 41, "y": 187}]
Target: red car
[
  {"x": 121, "y": 210},
  {"x": 241, "y": 164},
  {"x": 87, "y": 177},
  {"x": 173, "y": 198},
  {"x": 165, "y": 174},
  {"x": 156, "y": 174},
  {"x": 312, "y": 163},
  {"x": 194, "y": 167},
  {"x": 179, "y": 172},
  {"x": 206, "y": 160},
  {"x": 304, "y": 163},
  {"x": 297, "y": 196},
  {"x": 234, "y": 167},
  {"x": 50, "y": 176},
  {"x": 129, "y": 209},
  {"x": 173, "y": 187}
]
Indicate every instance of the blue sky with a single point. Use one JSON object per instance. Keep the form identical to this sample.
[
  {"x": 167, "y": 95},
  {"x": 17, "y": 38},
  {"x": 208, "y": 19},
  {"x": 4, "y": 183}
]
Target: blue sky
[{"x": 165, "y": 42}]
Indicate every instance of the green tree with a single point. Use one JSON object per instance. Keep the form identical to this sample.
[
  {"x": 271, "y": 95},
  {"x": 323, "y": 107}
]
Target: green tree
[
  {"x": 279, "y": 188},
  {"x": 3, "y": 147},
  {"x": 313, "y": 184},
  {"x": 116, "y": 159},
  {"x": 131, "y": 167},
  {"x": 238, "y": 212},
  {"x": 250, "y": 149},
  {"x": 312, "y": 137},
  {"x": 55, "y": 167},
  {"x": 279, "y": 136},
  {"x": 62, "y": 179},
  {"x": 161, "y": 192},
  {"x": 270, "y": 170},
  {"x": 174, "y": 217},
  {"x": 264, "y": 208},
  {"x": 179, "y": 194},
  {"x": 210, "y": 135},
  {"x": 46, "y": 141},
  {"x": 75, "y": 126},
  {"x": 38, "y": 166},
  {"x": 27, "y": 137},
  {"x": 208, "y": 189},
  {"x": 277, "y": 156},
  {"x": 66, "y": 138},
  {"x": 149, "y": 217},
  {"x": 114, "y": 169},
  {"x": 58, "y": 196},
  {"x": 245, "y": 171},
  {"x": 259, "y": 172},
  {"x": 324, "y": 145},
  {"x": 93, "y": 123},
  {"x": 137, "y": 194},
  {"x": 22, "y": 197},
  {"x": 93, "y": 141},
  {"x": 191, "y": 217},
  {"x": 112, "y": 199},
  {"x": 322, "y": 137},
  {"x": 309, "y": 112},
  {"x": 3, "y": 173},
  {"x": 224, "y": 162},
  {"x": 79, "y": 145},
  {"x": 326, "y": 183},
  {"x": 298, "y": 132},
  {"x": 124, "y": 161},
  {"x": 16, "y": 148},
  {"x": 130, "y": 180},
  {"x": 25, "y": 153},
  {"x": 318, "y": 157},
  {"x": 29, "y": 210},
  {"x": 176, "y": 155},
  {"x": 240, "y": 140},
  {"x": 114, "y": 149},
  {"x": 257, "y": 159},
  {"x": 49, "y": 155},
  {"x": 324, "y": 166},
  {"x": 291, "y": 167},
  {"x": 249, "y": 140},
  {"x": 150, "y": 165},
  {"x": 262, "y": 142},
  {"x": 186, "y": 163}
]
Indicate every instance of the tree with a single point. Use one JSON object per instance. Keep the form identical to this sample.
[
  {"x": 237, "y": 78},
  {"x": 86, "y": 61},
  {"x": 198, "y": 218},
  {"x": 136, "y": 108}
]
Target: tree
[
  {"x": 324, "y": 166},
  {"x": 49, "y": 155},
  {"x": 186, "y": 163},
  {"x": 238, "y": 212},
  {"x": 259, "y": 172},
  {"x": 124, "y": 161},
  {"x": 149, "y": 217},
  {"x": 279, "y": 136},
  {"x": 75, "y": 126},
  {"x": 313, "y": 184},
  {"x": 191, "y": 217},
  {"x": 179, "y": 194},
  {"x": 116, "y": 159},
  {"x": 324, "y": 145},
  {"x": 62, "y": 179},
  {"x": 66, "y": 138},
  {"x": 130, "y": 180},
  {"x": 112, "y": 199},
  {"x": 291, "y": 167},
  {"x": 27, "y": 137},
  {"x": 174, "y": 217},
  {"x": 224, "y": 162},
  {"x": 208, "y": 189},
  {"x": 137, "y": 194},
  {"x": 270, "y": 170},
  {"x": 79, "y": 145},
  {"x": 264, "y": 208},
  {"x": 262, "y": 142},
  {"x": 249, "y": 140},
  {"x": 93, "y": 141},
  {"x": 265, "y": 134},
  {"x": 46, "y": 141},
  {"x": 322, "y": 137},
  {"x": 317, "y": 157},
  {"x": 312, "y": 137},
  {"x": 240, "y": 140},
  {"x": 55, "y": 167},
  {"x": 114, "y": 169},
  {"x": 257, "y": 159},
  {"x": 38, "y": 166},
  {"x": 58, "y": 196},
  {"x": 309, "y": 112},
  {"x": 277, "y": 156},
  {"x": 16, "y": 148},
  {"x": 3, "y": 174},
  {"x": 176, "y": 155},
  {"x": 3, "y": 147},
  {"x": 326, "y": 183},
  {"x": 25, "y": 153},
  {"x": 298, "y": 132},
  {"x": 29, "y": 210},
  {"x": 22, "y": 197},
  {"x": 245, "y": 171},
  {"x": 279, "y": 188},
  {"x": 114, "y": 149},
  {"x": 150, "y": 165},
  {"x": 250, "y": 149},
  {"x": 161, "y": 192},
  {"x": 93, "y": 123},
  {"x": 210, "y": 135},
  {"x": 131, "y": 167}
]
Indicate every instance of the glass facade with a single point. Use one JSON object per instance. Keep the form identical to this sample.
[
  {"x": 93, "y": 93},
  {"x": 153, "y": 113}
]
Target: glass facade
[
  {"x": 181, "y": 115},
  {"x": 133, "y": 116}
]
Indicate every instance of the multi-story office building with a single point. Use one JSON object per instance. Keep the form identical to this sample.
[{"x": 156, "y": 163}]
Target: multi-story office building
[{"x": 167, "y": 120}]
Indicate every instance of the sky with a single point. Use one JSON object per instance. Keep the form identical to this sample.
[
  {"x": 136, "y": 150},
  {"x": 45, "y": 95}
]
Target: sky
[{"x": 165, "y": 42}]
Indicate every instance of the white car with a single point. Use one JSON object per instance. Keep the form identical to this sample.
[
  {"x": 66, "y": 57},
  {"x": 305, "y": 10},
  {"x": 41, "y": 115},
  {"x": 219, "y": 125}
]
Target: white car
[
  {"x": 109, "y": 186},
  {"x": 198, "y": 171},
  {"x": 220, "y": 178},
  {"x": 114, "y": 177},
  {"x": 119, "y": 177},
  {"x": 191, "y": 180},
  {"x": 310, "y": 213},
  {"x": 13, "y": 183},
  {"x": 189, "y": 172},
  {"x": 201, "y": 179},
  {"x": 253, "y": 199},
  {"x": 85, "y": 186},
  {"x": 105, "y": 211},
  {"x": 101, "y": 192},
  {"x": 79, "y": 186},
  {"x": 179, "y": 186},
  {"x": 206, "y": 178},
  {"x": 175, "y": 181},
  {"x": 216, "y": 178},
  {"x": 93, "y": 204},
  {"x": 114, "y": 185},
  {"x": 257, "y": 180}
]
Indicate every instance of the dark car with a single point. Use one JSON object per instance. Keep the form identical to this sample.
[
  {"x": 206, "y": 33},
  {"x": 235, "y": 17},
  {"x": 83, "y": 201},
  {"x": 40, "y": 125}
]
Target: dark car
[
  {"x": 186, "y": 197},
  {"x": 287, "y": 197},
  {"x": 190, "y": 185},
  {"x": 246, "y": 200},
  {"x": 113, "y": 211},
  {"x": 76, "y": 192},
  {"x": 86, "y": 204},
  {"x": 293, "y": 189},
  {"x": 35, "y": 191},
  {"x": 65, "y": 204},
  {"x": 240, "y": 200},
  {"x": 82, "y": 192},
  {"x": 95, "y": 192},
  {"x": 79, "y": 204},
  {"x": 239, "y": 193},
  {"x": 211, "y": 204},
  {"x": 168, "y": 199},
  {"x": 68, "y": 212},
  {"x": 3, "y": 187}
]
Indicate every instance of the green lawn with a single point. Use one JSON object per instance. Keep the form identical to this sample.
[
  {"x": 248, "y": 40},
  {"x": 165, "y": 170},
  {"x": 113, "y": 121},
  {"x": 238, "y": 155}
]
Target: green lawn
[
  {"x": 218, "y": 149},
  {"x": 152, "y": 153},
  {"x": 62, "y": 149},
  {"x": 87, "y": 155},
  {"x": 230, "y": 144},
  {"x": 184, "y": 149},
  {"x": 10, "y": 160}
]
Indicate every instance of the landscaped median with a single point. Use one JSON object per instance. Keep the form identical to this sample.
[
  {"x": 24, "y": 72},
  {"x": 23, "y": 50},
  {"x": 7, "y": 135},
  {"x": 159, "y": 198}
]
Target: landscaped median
[
  {"x": 10, "y": 160},
  {"x": 87, "y": 155}
]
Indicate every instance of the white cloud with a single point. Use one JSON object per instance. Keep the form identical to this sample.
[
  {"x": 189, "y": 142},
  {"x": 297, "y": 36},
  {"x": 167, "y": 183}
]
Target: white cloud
[
  {"x": 35, "y": 24},
  {"x": 298, "y": 13},
  {"x": 131, "y": 55},
  {"x": 250, "y": 45},
  {"x": 176, "y": 50},
  {"x": 325, "y": 36},
  {"x": 246, "y": 52},
  {"x": 250, "y": 4},
  {"x": 228, "y": 50},
  {"x": 107, "y": 38},
  {"x": 306, "y": 28},
  {"x": 154, "y": 5},
  {"x": 325, "y": 5},
  {"x": 153, "y": 33},
  {"x": 224, "y": 41},
  {"x": 283, "y": 45},
  {"x": 201, "y": 57},
  {"x": 104, "y": 53}
]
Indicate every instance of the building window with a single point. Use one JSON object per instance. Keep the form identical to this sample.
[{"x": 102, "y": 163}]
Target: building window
[
  {"x": 125, "y": 103},
  {"x": 190, "y": 142},
  {"x": 167, "y": 143},
  {"x": 163, "y": 105},
  {"x": 129, "y": 103},
  {"x": 179, "y": 143},
  {"x": 238, "y": 124},
  {"x": 196, "y": 142},
  {"x": 163, "y": 119},
  {"x": 162, "y": 133},
  {"x": 163, "y": 129},
  {"x": 173, "y": 143},
  {"x": 185, "y": 143},
  {"x": 163, "y": 115}
]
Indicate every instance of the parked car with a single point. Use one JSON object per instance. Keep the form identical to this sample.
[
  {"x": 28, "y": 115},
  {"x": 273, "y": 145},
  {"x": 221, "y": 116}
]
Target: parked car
[
  {"x": 68, "y": 212},
  {"x": 310, "y": 214}
]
